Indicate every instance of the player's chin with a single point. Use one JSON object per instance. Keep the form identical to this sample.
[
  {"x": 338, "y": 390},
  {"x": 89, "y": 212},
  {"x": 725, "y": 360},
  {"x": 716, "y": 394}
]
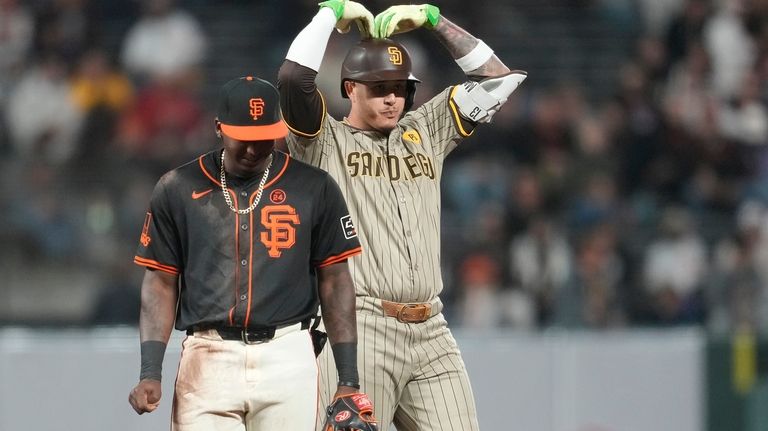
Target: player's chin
[{"x": 387, "y": 122}]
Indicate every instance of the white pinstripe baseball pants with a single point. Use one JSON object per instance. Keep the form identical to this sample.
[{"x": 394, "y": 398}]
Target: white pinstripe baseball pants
[{"x": 413, "y": 373}]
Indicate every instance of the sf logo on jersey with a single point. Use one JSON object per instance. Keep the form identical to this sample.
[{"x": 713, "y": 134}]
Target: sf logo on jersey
[{"x": 281, "y": 233}]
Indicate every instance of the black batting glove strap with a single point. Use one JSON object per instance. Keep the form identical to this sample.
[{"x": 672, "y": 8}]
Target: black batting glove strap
[
  {"x": 349, "y": 384},
  {"x": 345, "y": 355},
  {"x": 152, "y": 353}
]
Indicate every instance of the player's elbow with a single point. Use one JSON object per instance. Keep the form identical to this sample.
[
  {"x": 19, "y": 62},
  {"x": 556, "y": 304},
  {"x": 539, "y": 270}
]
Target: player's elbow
[{"x": 294, "y": 76}]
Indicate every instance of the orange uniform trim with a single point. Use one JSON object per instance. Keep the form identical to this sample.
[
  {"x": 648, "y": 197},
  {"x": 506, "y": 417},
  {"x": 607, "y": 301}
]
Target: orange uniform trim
[
  {"x": 205, "y": 172},
  {"x": 250, "y": 267},
  {"x": 338, "y": 258},
  {"x": 279, "y": 174},
  {"x": 272, "y": 181},
  {"x": 237, "y": 256},
  {"x": 456, "y": 117},
  {"x": 149, "y": 263}
]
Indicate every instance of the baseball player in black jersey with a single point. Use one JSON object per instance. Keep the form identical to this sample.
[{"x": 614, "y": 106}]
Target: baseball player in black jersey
[
  {"x": 240, "y": 246},
  {"x": 388, "y": 163}
]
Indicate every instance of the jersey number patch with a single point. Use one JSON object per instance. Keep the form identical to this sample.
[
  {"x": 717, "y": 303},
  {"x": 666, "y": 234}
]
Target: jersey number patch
[{"x": 279, "y": 220}]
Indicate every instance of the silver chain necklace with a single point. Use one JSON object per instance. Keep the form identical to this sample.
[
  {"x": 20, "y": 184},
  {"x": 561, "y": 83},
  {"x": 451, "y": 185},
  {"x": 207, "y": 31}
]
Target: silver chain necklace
[{"x": 225, "y": 190}]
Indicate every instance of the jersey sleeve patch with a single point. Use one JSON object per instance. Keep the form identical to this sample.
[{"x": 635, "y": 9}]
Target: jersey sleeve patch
[
  {"x": 348, "y": 227},
  {"x": 412, "y": 136},
  {"x": 145, "y": 239}
]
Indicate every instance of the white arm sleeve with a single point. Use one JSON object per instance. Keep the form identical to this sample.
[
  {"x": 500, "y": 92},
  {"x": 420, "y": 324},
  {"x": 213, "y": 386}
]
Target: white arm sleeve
[{"x": 309, "y": 46}]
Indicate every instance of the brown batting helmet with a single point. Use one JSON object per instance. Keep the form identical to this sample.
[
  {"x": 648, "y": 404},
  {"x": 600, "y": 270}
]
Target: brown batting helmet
[{"x": 372, "y": 60}]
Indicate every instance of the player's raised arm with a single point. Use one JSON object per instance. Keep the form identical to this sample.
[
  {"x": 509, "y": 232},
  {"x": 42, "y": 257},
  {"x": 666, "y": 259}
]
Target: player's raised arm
[
  {"x": 303, "y": 106},
  {"x": 158, "y": 312},
  {"x": 473, "y": 55},
  {"x": 476, "y": 102}
]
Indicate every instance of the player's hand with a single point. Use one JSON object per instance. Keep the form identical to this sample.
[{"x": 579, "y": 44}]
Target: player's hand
[
  {"x": 145, "y": 397},
  {"x": 399, "y": 19},
  {"x": 342, "y": 391},
  {"x": 352, "y": 411},
  {"x": 347, "y": 12}
]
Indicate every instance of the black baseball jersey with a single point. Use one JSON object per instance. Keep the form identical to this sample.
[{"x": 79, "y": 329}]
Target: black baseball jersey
[{"x": 257, "y": 269}]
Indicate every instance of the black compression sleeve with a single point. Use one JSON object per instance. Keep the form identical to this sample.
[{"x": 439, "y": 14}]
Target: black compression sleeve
[
  {"x": 301, "y": 102},
  {"x": 152, "y": 353},
  {"x": 345, "y": 355}
]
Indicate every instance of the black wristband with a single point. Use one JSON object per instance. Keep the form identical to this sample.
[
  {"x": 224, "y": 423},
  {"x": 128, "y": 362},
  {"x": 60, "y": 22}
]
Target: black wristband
[
  {"x": 152, "y": 353},
  {"x": 350, "y": 384},
  {"x": 345, "y": 355}
]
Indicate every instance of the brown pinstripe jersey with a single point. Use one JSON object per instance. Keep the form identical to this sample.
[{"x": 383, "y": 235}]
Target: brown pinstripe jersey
[{"x": 392, "y": 187}]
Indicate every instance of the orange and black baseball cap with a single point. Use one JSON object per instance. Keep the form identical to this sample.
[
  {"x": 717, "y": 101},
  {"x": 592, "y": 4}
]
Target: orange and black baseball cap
[{"x": 249, "y": 110}]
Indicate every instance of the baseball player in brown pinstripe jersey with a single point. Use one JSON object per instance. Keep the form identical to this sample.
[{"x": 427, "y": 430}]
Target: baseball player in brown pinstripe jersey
[{"x": 388, "y": 162}]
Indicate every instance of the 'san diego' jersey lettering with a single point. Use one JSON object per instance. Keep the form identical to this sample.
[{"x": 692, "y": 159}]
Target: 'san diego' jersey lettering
[{"x": 395, "y": 168}]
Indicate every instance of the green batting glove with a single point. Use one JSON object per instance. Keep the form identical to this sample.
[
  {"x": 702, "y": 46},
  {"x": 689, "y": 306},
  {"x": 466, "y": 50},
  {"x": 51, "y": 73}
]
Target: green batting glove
[
  {"x": 399, "y": 19},
  {"x": 346, "y": 12}
]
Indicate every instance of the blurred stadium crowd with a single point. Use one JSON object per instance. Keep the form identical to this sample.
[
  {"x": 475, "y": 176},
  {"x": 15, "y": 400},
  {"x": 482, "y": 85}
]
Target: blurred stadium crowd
[{"x": 625, "y": 183}]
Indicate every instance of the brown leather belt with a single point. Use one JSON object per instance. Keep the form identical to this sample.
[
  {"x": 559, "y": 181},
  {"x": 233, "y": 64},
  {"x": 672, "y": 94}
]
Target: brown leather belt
[{"x": 407, "y": 312}]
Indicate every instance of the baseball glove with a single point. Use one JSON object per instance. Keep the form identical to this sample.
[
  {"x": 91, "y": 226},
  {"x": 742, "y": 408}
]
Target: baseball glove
[{"x": 350, "y": 412}]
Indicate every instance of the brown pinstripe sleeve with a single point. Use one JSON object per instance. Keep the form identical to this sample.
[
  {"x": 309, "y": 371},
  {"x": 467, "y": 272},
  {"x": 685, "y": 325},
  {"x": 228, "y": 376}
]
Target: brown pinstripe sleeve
[{"x": 440, "y": 119}]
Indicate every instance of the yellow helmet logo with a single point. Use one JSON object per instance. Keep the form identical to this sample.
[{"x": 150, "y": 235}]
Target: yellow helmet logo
[{"x": 395, "y": 56}]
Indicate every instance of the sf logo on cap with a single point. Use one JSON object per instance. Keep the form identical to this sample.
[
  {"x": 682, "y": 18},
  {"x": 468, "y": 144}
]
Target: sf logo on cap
[
  {"x": 257, "y": 107},
  {"x": 395, "y": 56}
]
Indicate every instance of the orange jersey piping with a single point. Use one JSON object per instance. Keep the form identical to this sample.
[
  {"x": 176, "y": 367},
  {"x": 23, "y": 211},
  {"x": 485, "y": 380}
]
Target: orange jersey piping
[
  {"x": 205, "y": 172},
  {"x": 237, "y": 256},
  {"x": 279, "y": 174},
  {"x": 338, "y": 258},
  {"x": 149, "y": 263},
  {"x": 250, "y": 267}
]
